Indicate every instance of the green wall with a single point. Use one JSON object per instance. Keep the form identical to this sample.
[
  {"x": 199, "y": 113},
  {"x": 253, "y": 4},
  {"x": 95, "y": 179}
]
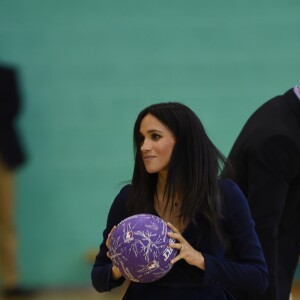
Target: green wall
[{"x": 87, "y": 67}]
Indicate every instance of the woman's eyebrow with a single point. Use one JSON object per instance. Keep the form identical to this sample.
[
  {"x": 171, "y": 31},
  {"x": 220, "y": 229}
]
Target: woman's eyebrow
[{"x": 152, "y": 130}]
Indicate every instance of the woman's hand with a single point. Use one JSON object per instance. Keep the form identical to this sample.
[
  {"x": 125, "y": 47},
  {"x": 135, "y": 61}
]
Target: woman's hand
[
  {"x": 107, "y": 243},
  {"x": 186, "y": 251},
  {"x": 115, "y": 272}
]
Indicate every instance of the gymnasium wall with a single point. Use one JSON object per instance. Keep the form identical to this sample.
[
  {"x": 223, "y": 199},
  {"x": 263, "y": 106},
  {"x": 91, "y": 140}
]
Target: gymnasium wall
[{"x": 87, "y": 67}]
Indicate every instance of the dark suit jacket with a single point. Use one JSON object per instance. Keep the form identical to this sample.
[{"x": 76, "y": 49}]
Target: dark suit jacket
[
  {"x": 265, "y": 163},
  {"x": 11, "y": 150},
  {"x": 188, "y": 282}
]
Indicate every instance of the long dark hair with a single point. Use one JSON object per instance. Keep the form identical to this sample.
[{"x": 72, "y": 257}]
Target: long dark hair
[{"x": 193, "y": 170}]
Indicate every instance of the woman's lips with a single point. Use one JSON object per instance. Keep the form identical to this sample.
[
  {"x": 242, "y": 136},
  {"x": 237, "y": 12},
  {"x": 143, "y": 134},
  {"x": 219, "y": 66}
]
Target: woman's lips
[{"x": 148, "y": 157}]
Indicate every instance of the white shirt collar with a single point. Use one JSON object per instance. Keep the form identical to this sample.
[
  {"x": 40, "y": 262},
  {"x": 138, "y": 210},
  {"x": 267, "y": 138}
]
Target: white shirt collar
[{"x": 296, "y": 91}]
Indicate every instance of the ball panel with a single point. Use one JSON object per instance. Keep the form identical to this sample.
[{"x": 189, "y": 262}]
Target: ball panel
[{"x": 139, "y": 248}]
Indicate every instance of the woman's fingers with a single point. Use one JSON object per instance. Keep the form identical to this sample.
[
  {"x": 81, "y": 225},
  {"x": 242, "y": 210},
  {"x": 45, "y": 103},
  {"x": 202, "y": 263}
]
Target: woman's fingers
[
  {"x": 108, "y": 241},
  {"x": 185, "y": 250},
  {"x": 179, "y": 244},
  {"x": 109, "y": 236},
  {"x": 175, "y": 234},
  {"x": 172, "y": 227}
]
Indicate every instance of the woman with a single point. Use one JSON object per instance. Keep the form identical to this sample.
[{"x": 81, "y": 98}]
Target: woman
[{"x": 176, "y": 178}]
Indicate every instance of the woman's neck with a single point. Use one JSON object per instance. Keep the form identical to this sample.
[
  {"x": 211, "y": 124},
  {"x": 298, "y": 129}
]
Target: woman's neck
[{"x": 161, "y": 183}]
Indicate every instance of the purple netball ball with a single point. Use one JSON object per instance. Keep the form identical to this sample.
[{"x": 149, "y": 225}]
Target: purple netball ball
[{"x": 139, "y": 247}]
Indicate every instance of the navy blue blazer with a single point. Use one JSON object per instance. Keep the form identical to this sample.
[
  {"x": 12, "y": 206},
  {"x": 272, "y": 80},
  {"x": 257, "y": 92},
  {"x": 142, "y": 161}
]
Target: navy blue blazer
[{"x": 248, "y": 271}]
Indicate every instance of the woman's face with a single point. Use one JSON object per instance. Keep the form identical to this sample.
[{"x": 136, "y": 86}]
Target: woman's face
[{"x": 157, "y": 145}]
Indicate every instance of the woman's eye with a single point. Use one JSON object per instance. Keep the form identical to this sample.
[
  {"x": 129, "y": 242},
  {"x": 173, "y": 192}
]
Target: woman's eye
[{"x": 155, "y": 136}]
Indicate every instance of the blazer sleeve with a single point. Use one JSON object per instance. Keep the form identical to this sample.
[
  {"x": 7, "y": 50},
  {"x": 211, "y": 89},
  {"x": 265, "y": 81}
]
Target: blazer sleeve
[
  {"x": 248, "y": 271},
  {"x": 101, "y": 271}
]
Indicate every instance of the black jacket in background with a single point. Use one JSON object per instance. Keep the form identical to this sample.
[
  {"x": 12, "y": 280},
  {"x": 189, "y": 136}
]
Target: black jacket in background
[
  {"x": 265, "y": 163},
  {"x": 11, "y": 150}
]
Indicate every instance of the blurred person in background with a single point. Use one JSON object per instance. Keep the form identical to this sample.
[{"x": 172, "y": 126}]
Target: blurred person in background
[
  {"x": 11, "y": 157},
  {"x": 265, "y": 162}
]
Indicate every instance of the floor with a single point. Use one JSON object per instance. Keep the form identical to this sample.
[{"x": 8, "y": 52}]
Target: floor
[
  {"x": 74, "y": 294},
  {"x": 90, "y": 294},
  {"x": 296, "y": 291}
]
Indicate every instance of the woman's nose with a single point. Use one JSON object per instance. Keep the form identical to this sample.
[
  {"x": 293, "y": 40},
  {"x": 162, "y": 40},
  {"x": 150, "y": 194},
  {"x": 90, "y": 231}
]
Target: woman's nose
[{"x": 146, "y": 145}]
